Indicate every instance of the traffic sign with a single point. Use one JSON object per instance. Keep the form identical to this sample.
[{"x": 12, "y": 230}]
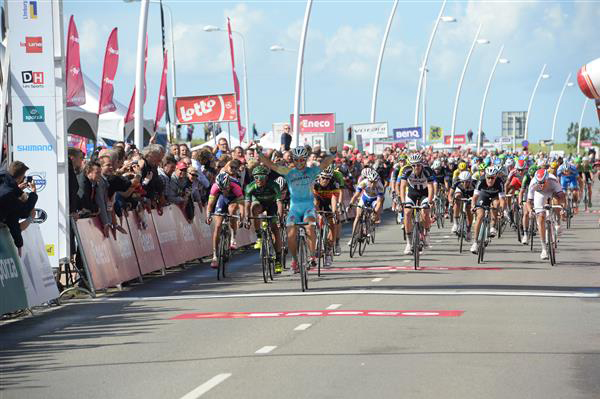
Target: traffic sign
[{"x": 525, "y": 143}]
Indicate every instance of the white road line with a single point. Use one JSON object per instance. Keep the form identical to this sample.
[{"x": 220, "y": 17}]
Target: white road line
[
  {"x": 333, "y": 306},
  {"x": 302, "y": 327},
  {"x": 181, "y": 281},
  {"x": 207, "y": 386},
  {"x": 442, "y": 292},
  {"x": 438, "y": 240},
  {"x": 406, "y": 260},
  {"x": 265, "y": 349},
  {"x": 376, "y": 280},
  {"x": 446, "y": 236}
]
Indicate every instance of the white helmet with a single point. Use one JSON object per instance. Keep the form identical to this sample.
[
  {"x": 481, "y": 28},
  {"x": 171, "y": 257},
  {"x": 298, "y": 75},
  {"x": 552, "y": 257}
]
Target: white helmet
[
  {"x": 464, "y": 175},
  {"x": 492, "y": 170},
  {"x": 415, "y": 159},
  {"x": 300, "y": 153},
  {"x": 541, "y": 163},
  {"x": 365, "y": 172},
  {"x": 509, "y": 162},
  {"x": 436, "y": 164}
]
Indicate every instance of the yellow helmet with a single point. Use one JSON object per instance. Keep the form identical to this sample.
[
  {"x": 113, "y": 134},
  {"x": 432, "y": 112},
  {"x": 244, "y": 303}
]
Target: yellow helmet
[
  {"x": 554, "y": 165},
  {"x": 462, "y": 166}
]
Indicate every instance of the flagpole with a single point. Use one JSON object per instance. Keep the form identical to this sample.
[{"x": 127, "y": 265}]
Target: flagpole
[{"x": 139, "y": 76}]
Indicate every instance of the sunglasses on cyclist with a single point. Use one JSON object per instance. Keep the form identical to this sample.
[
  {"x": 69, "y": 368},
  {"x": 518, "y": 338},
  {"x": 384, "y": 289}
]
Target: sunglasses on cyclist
[{"x": 260, "y": 177}]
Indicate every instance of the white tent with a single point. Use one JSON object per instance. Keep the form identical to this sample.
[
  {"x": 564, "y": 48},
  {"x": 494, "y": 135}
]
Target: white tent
[
  {"x": 84, "y": 121},
  {"x": 234, "y": 142}
]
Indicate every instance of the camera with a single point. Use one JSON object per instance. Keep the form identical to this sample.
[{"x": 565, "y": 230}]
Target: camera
[{"x": 29, "y": 179}]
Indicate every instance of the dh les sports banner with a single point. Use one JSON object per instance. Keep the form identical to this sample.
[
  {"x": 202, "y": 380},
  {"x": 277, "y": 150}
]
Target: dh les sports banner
[
  {"x": 75, "y": 86},
  {"x": 111, "y": 61}
]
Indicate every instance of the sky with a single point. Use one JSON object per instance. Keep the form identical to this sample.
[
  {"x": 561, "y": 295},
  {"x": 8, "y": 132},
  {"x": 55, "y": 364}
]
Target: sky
[{"x": 342, "y": 48}]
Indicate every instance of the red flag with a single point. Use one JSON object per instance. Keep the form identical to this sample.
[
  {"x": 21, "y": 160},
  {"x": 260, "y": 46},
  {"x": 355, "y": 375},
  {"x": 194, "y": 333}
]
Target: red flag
[
  {"x": 236, "y": 83},
  {"x": 131, "y": 110},
  {"x": 162, "y": 95},
  {"x": 598, "y": 109},
  {"x": 109, "y": 70},
  {"x": 75, "y": 87}
]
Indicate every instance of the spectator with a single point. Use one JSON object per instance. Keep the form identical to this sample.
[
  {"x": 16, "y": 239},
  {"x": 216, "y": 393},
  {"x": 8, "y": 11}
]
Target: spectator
[
  {"x": 174, "y": 150},
  {"x": 222, "y": 148},
  {"x": 165, "y": 172},
  {"x": 286, "y": 138},
  {"x": 75, "y": 165},
  {"x": 184, "y": 151},
  {"x": 250, "y": 153},
  {"x": 102, "y": 199},
  {"x": 470, "y": 136},
  {"x": 14, "y": 203},
  {"x": 238, "y": 153},
  {"x": 180, "y": 182},
  {"x": 151, "y": 158},
  {"x": 88, "y": 187}
]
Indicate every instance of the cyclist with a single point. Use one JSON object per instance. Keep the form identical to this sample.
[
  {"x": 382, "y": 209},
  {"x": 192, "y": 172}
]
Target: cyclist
[
  {"x": 586, "y": 173},
  {"x": 462, "y": 166},
  {"x": 523, "y": 197},
  {"x": 339, "y": 177},
  {"x": 370, "y": 190},
  {"x": 513, "y": 184},
  {"x": 488, "y": 192},
  {"x": 302, "y": 209},
  {"x": 418, "y": 181},
  {"x": 463, "y": 187},
  {"x": 228, "y": 196},
  {"x": 543, "y": 187},
  {"x": 327, "y": 197},
  {"x": 568, "y": 175},
  {"x": 263, "y": 195}
]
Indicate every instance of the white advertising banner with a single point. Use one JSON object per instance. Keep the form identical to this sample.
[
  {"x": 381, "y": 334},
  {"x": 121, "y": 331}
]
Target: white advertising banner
[
  {"x": 371, "y": 130},
  {"x": 31, "y": 47},
  {"x": 38, "y": 276}
]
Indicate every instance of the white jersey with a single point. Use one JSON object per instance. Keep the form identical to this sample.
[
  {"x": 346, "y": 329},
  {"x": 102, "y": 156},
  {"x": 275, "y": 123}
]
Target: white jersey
[{"x": 552, "y": 188}]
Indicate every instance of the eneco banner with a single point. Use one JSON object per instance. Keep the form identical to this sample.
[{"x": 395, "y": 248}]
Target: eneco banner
[
  {"x": 371, "y": 130},
  {"x": 33, "y": 91},
  {"x": 203, "y": 109},
  {"x": 315, "y": 123}
]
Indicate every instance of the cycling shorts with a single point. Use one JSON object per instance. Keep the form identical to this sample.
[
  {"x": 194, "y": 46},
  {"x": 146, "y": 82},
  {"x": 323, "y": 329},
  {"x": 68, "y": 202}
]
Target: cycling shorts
[
  {"x": 569, "y": 182},
  {"x": 367, "y": 201},
  {"x": 223, "y": 204},
  {"x": 299, "y": 212},
  {"x": 414, "y": 198}
]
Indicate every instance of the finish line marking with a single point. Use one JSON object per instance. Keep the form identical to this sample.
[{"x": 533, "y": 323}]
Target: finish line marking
[
  {"x": 317, "y": 313},
  {"x": 397, "y": 268}
]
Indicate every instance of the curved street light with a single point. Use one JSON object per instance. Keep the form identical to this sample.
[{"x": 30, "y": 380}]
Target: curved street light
[
  {"x": 213, "y": 28},
  {"x": 542, "y": 75},
  {"x": 585, "y": 103},
  {"x": 567, "y": 84},
  {"x": 499, "y": 60},
  {"x": 476, "y": 41}
]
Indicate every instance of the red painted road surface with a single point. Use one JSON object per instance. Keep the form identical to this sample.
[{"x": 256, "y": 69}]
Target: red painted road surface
[
  {"x": 394, "y": 268},
  {"x": 320, "y": 313}
]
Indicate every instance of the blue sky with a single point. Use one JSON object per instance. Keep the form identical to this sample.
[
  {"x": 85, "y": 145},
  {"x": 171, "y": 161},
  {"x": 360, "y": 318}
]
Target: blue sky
[{"x": 341, "y": 55}]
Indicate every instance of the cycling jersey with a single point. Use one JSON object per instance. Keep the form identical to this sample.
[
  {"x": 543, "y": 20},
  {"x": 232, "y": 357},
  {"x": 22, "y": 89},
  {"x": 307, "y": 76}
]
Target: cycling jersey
[
  {"x": 418, "y": 184},
  {"x": 301, "y": 196},
  {"x": 461, "y": 187},
  {"x": 488, "y": 193},
  {"x": 369, "y": 194},
  {"x": 234, "y": 195},
  {"x": 540, "y": 194},
  {"x": 339, "y": 177},
  {"x": 324, "y": 194},
  {"x": 568, "y": 176},
  {"x": 267, "y": 194}
]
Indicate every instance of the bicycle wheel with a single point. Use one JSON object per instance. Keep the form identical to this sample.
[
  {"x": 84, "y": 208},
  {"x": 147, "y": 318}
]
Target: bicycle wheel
[
  {"x": 481, "y": 240},
  {"x": 416, "y": 235},
  {"x": 221, "y": 254},
  {"x": 532, "y": 224},
  {"x": 283, "y": 232},
  {"x": 518, "y": 225},
  {"x": 550, "y": 242},
  {"x": 355, "y": 240},
  {"x": 442, "y": 213},
  {"x": 364, "y": 239},
  {"x": 462, "y": 231},
  {"x": 320, "y": 250},
  {"x": 302, "y": 259},
  {"x": 264, "y": 256}
]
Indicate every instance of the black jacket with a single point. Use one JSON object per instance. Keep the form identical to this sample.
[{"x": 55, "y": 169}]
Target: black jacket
[
  {"x": 87, "y": 194},
  {"x": 74, "y": 204},
  {"x": 12, "y": 208}
]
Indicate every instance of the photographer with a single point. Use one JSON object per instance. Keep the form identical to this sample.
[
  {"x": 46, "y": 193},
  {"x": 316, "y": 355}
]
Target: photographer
[{"x": 14, "y": 203}]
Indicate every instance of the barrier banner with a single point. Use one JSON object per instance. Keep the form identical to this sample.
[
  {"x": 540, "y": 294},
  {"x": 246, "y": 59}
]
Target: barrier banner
[
  {"x": 12, "y": 288},
  {"x": 166, "y": 231},
  {"x": 204, "y": 231},
  {"x": 38, "y": 276},
  {"x": 187, "y": 236},
  {"x": 123, "y": 253},
  {"x": 145, "y": 243},
  {"x": 98, "y": 254}
]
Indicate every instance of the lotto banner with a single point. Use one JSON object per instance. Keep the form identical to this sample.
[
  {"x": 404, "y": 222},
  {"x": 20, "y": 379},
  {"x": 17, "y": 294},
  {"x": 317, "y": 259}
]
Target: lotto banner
[
  {"x": 34, "y": 107},
  {"x": 203, "y": 109},
  {"x": 459, "y": 139}
]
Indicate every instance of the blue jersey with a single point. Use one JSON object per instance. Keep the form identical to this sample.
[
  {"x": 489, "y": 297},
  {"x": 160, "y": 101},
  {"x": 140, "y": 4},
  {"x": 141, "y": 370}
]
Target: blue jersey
[
  {"x": 300, "y": 184},
  {"x": 565, "y": 170}
]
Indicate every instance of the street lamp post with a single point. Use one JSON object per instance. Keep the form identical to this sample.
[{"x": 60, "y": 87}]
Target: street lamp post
[
  {"x": 499, "y": 60},
  {"x": 211, "y": 28},
  {"x": 299, "y": 66},
  {"x": 567, "y": 84},
  {"x": 542, "y": 75},
  {"x": 439, "y": 19},
  {"x": 580, "y": 122},
  {"x": 476, "y": 41},
  {"x": 138, "y": 135},
  {"x": 276, "y": 48}
]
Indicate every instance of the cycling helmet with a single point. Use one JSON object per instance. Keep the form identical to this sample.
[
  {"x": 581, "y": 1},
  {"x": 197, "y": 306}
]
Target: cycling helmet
[
  {"x": 462, "y": 166},
  {"x": 300, "y": 153},
  {"x": 326, "y": 175},
  {"x": 509, "y": 162},
  {"x": 487, "y": 161},
  {"x": 329, "y": 169},
  {"x": 541, "y": 163},
  {"x": 541, "y": 175},
  {"x": 223, "y": 180},
  {"x": 451, "y": 160},
  {"x": 520, "y": 164},
  {"x": 554, "y": 165},
  {"x": 415, "y": 159},
  {"x": 532, "y": 170},
  {"x": 365, "y": 172},
  {"x": 464, "y": 176},
  {"x": 436, "y": 164},
  {"x": 577, "y": 160},
  {"x": 585, "y": 159},
  {"x": 260, "y": 170},
  {"x": 481, "y": 167},
  {"x": 492, "y": 171},
  {"x": 372, "y": 176},
  {"x": 501, "y": 156},
  {"x": 497, "y": 162}
]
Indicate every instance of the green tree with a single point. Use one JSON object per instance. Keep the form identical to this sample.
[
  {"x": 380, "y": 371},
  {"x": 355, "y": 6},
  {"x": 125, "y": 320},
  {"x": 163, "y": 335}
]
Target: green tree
[{"x": 587, "y": 133}]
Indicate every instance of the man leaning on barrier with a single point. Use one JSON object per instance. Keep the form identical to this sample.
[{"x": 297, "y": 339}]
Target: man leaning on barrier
[{"x": 16, "y": 204}]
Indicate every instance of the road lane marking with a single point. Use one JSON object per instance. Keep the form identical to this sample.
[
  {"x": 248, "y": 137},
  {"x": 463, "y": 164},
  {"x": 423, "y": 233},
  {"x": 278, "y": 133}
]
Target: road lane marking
[
  {"x": 207, "y": 386},
  {"x": 376, "y": 280},
  {"x": 302, "y": 327},
  {"x": 320, "y": 313},
  {"x": 333, "y": 306},
  {"x": 406, "y": 260},
  {"x": 397, "y": 268},
  {"x": 265, "y": 349},
  {"x": 446, "y": 236}
]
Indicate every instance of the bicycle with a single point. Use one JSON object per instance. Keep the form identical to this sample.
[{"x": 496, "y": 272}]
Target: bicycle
[
  {"x": 439, "y": 209},
  {"x": 517, "y": 219},
  {"x": 551, "y": 236},
  {"x": 302, "y": 254},
  {"x": 323, "y": 246},
  {"x": 462, "y": 223},
  {"x": 267, "y": 249},
  {"x": 224, "y": 250},
  {"x": 569, "y": 207},
  {"x": 360, "y": 236},
  {"x": 483, "y": 238},
  {"x": 418, "y": 233}
]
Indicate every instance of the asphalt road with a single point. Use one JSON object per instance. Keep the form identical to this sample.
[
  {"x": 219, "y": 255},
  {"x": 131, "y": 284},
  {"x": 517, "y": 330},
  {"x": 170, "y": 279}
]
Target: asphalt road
[{"x": 513, "y": 327}]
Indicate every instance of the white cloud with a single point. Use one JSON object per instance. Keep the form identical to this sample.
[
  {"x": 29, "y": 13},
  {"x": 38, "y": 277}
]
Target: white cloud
[
  {"x": 92, "y": 38},
  {"x": 243, "y": 19},
  {"x": 199, "y": 51}
]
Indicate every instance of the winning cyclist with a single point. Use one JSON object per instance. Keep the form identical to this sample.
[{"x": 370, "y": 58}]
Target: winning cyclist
[
  {"x": 264, "y": 195},
  {"x": 302, "y": 208},
  {"x": 327, "y": 197},
  {"x": 228, "y": 196},
  {"x": 419, "y": 180}
]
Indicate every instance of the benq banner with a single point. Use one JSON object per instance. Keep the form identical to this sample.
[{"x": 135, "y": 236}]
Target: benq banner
[{"x": 408, "y": 133}]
